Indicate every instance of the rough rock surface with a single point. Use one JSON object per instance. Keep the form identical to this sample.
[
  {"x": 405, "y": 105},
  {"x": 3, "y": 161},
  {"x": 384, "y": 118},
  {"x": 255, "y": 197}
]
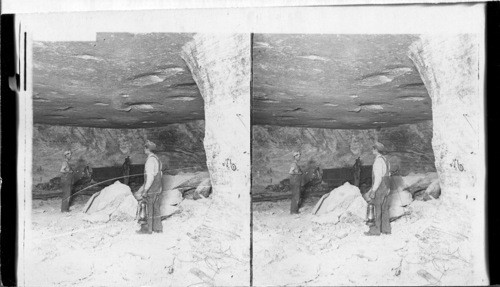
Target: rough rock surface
[
  {"x": 415, "y": 182},
  {"x": 408, "y": 145},
  {"x": 434, "y": 189},
  {"x": 336, "y": 81},
  {"x": 121, "y": 80},
  {"x": 82, "y": 253},
  {"x": 115, "y": 201},
  {"x": 399, "y": 200},
  {"x": 333, "y": 205},
  {"x": 124, "y": 80},
  {"x": 221, "y": 66},
  {"x": 204, "y": 188},
  {"x": 449, "y": 66},
  {"x": 171, "y": 197},
  {"x": 290, "y": 250},
  {"x": 180, "y": 147}
]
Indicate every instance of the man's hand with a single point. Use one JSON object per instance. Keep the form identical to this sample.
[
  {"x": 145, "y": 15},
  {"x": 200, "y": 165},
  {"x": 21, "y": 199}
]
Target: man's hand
[
  {"x": 366, "y": 197},
  {"x": 138, "y": 196},
  {"x": 138, "y": 193},
  {"x": 371, "y": 194}
]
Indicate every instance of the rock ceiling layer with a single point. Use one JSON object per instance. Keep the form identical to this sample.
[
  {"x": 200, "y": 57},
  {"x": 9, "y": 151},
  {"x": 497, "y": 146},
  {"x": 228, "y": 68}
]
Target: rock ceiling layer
[
  {"x": 336, "y": 81},
  {"x": 139, "y": 80},
  {"x": 119, "y": 81}
]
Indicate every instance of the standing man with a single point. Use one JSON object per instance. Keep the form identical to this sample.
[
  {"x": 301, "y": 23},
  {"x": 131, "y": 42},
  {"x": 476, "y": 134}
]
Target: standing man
[
  {"x": 295, "y": 183},
  {"x": 357, "y": 171},
  {"x": 126, "y": 170},
  {"x": 150, "y": 191},
  {"x": 67, "y": 176},
  {"x": 378, "y": 194}
]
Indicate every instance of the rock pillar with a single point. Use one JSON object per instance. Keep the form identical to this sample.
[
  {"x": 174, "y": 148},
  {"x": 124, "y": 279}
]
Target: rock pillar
[
  {"x": 221, "y": 67},
  {"x": 451, "y": 69}
]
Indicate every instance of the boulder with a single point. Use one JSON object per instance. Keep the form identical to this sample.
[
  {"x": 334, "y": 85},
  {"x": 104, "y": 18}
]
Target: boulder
[
  {"x": 115, "y": 201},
  {"x": 400, "y": 198},
  {"x": 344, "y": 201},
  {"x": 170, "y": 201},
  {"x": 420, "y": 181},
  {"x": 193, "y": 180},
  {"x": 171, "y": 197},
  {"x": 396, "y": 211},
  {"x": 204, "y": 188},
  {"x": 192, "y": 185},
  {"x": 434, "y": 189},
  {"x": 358, "y": 207},
  {"x": 168, "y": 210},
  {"x": 126, "y": 210}
]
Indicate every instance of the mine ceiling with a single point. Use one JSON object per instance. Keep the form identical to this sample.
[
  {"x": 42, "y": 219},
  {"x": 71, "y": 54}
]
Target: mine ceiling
[
  {"x": 124, "y": 80},
  {"x": 336, "y": 81},
  {"x": 120, "y": 80}
]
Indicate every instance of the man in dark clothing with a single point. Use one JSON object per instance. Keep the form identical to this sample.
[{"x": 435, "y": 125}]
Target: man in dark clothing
[
  {"x": 67, "y": 176},
  {"x": 150, "y": 191},
  {"x": 126, "y": 170},
  {"x": 295, "y": 183},
  {"x": 357, "y": 171},
  {"x": 378, "y": 194}
]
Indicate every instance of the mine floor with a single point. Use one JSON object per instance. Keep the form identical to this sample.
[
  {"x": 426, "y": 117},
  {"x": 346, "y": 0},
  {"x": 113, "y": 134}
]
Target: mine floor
[
  {"x": 430, "y": 246},
  {"x": 68, "y": 250}
]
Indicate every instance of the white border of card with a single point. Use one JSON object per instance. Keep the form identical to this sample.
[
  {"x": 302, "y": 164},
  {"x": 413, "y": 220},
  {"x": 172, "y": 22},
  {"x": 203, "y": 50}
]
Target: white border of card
[{"x": 377, "y": 19}]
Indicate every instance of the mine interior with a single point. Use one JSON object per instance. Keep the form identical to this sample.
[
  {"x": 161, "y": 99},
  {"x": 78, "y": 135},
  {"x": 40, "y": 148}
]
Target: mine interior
[
  {"x": 331, "y": 97},
  {"x": 102, "y": 100},
  {"x": 328, "y": 96}
]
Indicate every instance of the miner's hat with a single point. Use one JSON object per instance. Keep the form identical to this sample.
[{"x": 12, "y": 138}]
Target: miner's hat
[{"x": 150, "y": 145}]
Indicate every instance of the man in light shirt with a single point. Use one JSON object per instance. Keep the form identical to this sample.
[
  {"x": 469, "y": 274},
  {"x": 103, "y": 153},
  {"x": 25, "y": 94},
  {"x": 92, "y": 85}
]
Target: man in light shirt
[
  {"x": 150, "y": 191},
  {"x": 378, "y": 194}
]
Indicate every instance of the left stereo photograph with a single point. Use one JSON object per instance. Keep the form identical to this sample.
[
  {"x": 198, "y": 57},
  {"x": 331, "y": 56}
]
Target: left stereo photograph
[{"x": 131, "y": 181}]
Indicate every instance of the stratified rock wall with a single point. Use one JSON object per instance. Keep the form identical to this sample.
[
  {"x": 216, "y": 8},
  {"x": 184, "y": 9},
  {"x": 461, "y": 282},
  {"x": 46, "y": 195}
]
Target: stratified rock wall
[
  {"x": 180, "y": 147},
  {"x": 409, "y": 149},
  {"x": 221, "y": 66},
  {"x": 449, "y": 67}
]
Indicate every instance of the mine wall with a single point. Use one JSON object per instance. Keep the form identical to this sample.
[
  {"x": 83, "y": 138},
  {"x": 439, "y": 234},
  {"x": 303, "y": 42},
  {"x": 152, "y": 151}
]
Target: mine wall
[
  {"x": 180, "y": 148},
  {"x": 409, "y": 150}
]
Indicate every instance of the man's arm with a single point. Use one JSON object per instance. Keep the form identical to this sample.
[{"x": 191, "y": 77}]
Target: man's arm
[
  {"x": 65, "y": 167},
  {"x": 292, "y": 168},
  {"x": 150, "y": 169},
  {"x": 378, "y": 173},
  {"x": 149, "y": 172}
]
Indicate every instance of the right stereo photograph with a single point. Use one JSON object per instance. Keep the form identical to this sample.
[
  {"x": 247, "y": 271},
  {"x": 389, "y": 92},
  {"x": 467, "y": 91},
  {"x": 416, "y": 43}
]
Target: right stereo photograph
[{"x": 365, "y": 158}]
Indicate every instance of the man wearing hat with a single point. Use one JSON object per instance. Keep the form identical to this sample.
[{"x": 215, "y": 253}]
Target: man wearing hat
[
  {"x": 150, "y": 191},
  {"x": 67, "y": 176},
  {"x": 378, "y": 194},
  {"x": 295, "y": 183}
]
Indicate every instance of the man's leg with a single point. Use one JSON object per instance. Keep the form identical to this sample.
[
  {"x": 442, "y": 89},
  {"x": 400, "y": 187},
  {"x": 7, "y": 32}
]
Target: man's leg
[
  {"x": 66, "y": 193},
  {"x": 294, "y": 207},
  {"x": 150, "y": 214},
  {"x": 157, "y": 226},
  {"x": 377, "y": 202},
  {"x": 386, "y": 224},
  {"x": 295, "y": 188}
]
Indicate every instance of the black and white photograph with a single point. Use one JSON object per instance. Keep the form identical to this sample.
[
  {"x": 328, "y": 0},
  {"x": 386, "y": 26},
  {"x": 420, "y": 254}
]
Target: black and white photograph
[
  {"x": 359, "y": 176},
  {"x": 123, "y": 193},
  {"x": 264, "y": 146}
]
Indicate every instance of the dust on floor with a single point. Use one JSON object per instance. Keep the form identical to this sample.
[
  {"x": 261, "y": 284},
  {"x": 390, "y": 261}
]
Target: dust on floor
[
  {"x": 431, "y": 246},
  {"x": 66, "y": 250}
]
